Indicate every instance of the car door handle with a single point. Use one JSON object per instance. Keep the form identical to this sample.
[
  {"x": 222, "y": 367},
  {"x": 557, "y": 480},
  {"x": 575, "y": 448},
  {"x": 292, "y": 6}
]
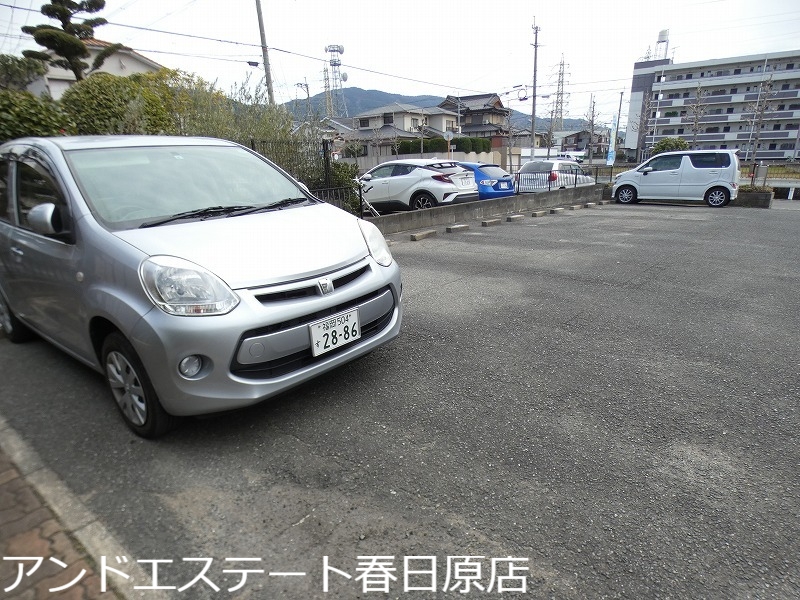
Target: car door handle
[{"x": 17, "y": 251}]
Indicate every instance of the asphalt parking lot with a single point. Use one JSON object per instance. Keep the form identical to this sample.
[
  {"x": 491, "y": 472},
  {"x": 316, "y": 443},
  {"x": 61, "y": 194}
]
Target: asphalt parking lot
[{"x": 607, "y": 398}]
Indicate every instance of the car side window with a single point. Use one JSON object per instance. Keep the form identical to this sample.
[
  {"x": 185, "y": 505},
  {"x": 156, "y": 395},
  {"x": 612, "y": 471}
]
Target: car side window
[
  {"x": 35, "y": 186},
  {"x": 382, "y": 172},
  {"x": 713, "y": 160},
  {"x": 665, "y": 163},
  {"x": 4, "y": 202},
  {"x": 402, "y": 170}
]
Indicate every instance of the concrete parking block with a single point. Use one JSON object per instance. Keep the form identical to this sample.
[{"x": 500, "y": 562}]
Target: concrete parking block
[
  {"x": 514, "y": 218},
  {"x": 590, "y": 205},
  {"x": 457, "y": 228},
  {"x": 540, "y": 213},
  {"x": 576, "y": 207},
  {"x": 490, "y": 222},
  {"x": 603, "y": 202},
  {"x": 421, "y": 235},
  {"x": 556, "y": 211}
]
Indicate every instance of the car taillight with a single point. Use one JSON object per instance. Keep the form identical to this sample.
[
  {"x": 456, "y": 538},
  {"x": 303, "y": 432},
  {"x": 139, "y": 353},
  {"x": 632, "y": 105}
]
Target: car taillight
[
  {"x": 443, "y": 178},
  {"x": 552, "y": 176}
]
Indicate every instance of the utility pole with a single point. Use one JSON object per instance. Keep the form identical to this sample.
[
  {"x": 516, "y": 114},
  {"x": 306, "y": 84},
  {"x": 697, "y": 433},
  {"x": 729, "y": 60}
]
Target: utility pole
[
  {"x": 533, "y": 108},
  {"x": 616, "y": 130},
  {"x": 265, "y": 55}
]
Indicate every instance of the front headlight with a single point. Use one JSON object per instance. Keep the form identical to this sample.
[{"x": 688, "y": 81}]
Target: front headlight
[
  {"x": 375, "y": 243},
  {"x": 489, "y": 182},
  {"x": 180, "y": 287}
]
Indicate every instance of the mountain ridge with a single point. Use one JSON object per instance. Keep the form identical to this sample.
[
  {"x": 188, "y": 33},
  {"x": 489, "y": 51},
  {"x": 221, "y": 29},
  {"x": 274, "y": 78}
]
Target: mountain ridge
[{"x": 358, "y": 100}]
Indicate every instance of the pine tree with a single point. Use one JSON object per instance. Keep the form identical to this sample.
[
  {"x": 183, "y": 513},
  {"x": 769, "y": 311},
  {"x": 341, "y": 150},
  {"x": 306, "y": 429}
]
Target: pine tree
[{"x": 67, "y": 43}]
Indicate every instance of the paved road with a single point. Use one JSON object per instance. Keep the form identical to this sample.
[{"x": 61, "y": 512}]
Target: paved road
[{"x": 611, "y": 394}]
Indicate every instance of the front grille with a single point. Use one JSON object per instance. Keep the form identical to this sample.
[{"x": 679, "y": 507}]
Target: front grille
[
  {"x": 309, "y": 290},
  {"x": 293, "y": 362}
]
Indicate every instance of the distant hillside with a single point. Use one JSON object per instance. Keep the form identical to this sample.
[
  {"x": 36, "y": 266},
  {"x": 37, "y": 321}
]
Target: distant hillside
[{"x": 359, "y": 101}]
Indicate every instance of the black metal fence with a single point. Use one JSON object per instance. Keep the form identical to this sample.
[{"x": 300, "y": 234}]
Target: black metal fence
[{"x": 306, "y": 160}]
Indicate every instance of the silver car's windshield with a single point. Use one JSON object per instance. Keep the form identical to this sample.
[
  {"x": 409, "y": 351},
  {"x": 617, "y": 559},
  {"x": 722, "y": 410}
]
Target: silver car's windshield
[{"x": 126, "y": 187}]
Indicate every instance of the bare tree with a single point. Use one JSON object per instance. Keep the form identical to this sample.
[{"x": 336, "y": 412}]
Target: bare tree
[
  {"x": 644, "y": 126},
  {"x": 696, "y": 110},
  {"x": 591, "y": 119},
  {"x": 758, "y": 109}
]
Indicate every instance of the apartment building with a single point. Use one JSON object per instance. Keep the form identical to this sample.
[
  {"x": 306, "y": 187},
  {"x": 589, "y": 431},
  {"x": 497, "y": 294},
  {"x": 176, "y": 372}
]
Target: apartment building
[{"x": 745, "y": 103}]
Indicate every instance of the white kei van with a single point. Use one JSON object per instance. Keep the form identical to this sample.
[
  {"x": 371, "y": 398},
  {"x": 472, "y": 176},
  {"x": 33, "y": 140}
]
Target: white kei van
[{"x": 710, "y": 175}]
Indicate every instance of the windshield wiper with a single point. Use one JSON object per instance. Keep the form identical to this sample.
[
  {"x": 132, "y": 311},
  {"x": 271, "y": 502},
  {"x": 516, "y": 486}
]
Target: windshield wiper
[
  {"x": 199, "y": 213},
  {"x": 275, "y": 205}
]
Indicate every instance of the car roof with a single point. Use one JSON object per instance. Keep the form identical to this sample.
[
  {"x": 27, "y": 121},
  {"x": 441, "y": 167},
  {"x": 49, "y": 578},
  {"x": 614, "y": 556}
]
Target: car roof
[
  {"x": 673, "y": 152},
  {"x": 478, "y": 165},
  {"x": 420, "y": 162},
  {"x": 87, "y": 142}
]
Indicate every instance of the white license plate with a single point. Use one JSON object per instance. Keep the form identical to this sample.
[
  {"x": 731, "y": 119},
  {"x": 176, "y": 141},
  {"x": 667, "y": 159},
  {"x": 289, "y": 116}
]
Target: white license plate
[
  {"x": 334, "y": 331},
  {"x": 503, "y": 185}
]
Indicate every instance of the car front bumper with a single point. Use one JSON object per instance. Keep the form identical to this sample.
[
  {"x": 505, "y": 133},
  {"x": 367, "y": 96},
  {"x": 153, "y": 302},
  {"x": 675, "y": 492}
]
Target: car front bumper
[{"x": 263, "y": 347}]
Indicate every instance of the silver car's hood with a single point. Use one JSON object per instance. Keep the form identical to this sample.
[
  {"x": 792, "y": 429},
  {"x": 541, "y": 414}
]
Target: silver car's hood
[{"x": 263, "y": 248}]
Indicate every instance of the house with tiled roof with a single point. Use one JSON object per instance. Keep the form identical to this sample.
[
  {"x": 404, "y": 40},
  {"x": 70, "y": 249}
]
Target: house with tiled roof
[
  {"x": 481, "y": 115},
  {"x": 124, "y": 62}
]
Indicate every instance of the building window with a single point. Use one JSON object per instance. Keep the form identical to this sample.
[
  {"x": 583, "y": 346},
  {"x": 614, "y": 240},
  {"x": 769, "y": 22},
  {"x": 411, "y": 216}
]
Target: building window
[
  {"x": 737, "y": 71},
  {"x": 787, "y": 146},
  {"x": 363, "y": 122},
  {"x": 773, "y": 147},
  {"x": 781, "y": 106},
  {"x": 716, "y": 111},
  {"x": 789, "y": 66},
  {"x": 688, "y": 76},
  {"x": 776, "y": 127},
  {"x": 680, "y": 130},
  {"x": 723, "y": 146},
  {"x": 668, "y": 132},
  {"x": 726, "y": 129},
  {"x": 794, "y": 126},
  {"x": 388, "y": 118},
  {"x": 785, "y": 86},
  {"x": 734, "y": 90},
  {"x": 729, "y": 110},
  {"x": 683, "y": 113},
  {"x": 712, "y": 129},
  {"x": 794, "y": 107}
]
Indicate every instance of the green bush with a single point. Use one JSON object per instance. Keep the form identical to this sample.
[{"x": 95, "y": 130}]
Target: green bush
[
  {"x": 463, "y": 144},
  {"x": 754, "y": 188},
  {"x": 669, "y": 144},
  {"x": 108, "y": 104},
  {"x": 435, "y": 145},
  {"x": 23, "y": 114}
]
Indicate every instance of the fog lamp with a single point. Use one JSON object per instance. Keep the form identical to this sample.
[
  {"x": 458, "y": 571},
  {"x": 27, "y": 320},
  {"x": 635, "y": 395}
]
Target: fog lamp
[{"x": 190, "y": 366}]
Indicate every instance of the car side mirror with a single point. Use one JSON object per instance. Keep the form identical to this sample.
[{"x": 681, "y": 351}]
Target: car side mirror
[
  {"x": 646, "y": 170},
  {"x": 46, "y": 219},
  {"x": 366, "y": 177}
]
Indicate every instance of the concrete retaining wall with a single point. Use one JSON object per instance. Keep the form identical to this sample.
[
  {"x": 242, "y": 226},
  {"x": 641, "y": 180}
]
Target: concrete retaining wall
[{"x": 475, "y": 211}]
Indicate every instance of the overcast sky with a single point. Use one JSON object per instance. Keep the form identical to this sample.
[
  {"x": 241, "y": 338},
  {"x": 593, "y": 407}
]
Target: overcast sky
[{"x": 420, "y": 47}]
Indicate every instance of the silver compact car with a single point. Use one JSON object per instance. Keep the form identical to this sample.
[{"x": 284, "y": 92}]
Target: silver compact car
[{"x": 193, "y": 273}]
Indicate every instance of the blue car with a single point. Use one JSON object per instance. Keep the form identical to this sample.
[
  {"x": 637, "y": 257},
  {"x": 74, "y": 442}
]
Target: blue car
[{"x": 493, "y": 182}]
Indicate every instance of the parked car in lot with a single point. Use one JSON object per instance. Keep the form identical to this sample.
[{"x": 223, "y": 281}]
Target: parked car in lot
[
  {"x": 193, "y": 273},
  {"x": 543, "y": 175},
  {"x": 417, "y": 183},
  {"x": 493, "y": 181},
  {"x": 710, "y": 175}
]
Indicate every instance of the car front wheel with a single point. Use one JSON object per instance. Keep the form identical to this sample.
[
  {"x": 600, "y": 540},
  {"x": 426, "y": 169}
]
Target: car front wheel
[
  {"x": 626, "y": 194},
  {"x": 423, "y": 200},
  {"x": 132, "y": 390},
  {"x": 716, "y": 197},
  {"x": 15, "y": 331}
]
